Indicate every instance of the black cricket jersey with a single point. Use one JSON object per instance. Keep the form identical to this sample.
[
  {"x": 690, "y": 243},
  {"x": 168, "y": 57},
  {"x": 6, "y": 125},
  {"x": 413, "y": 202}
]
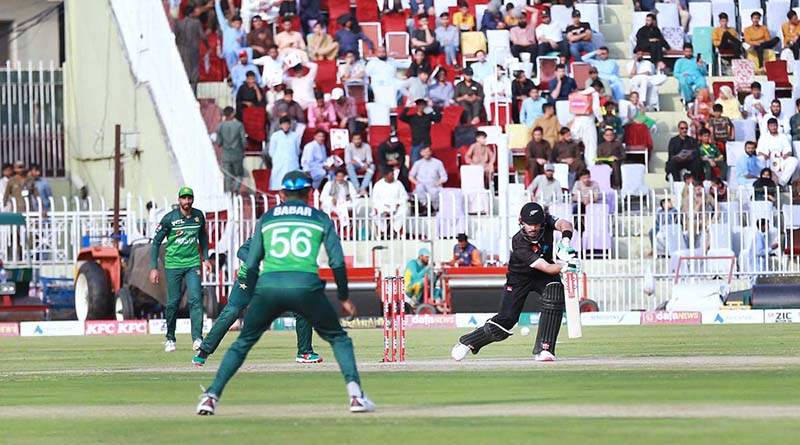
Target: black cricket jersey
[{"x": 524, "y": 253}]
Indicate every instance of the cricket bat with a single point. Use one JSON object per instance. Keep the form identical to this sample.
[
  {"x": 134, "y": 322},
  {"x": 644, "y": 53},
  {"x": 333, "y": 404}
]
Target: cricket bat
[{"x": 572, "y": 303}]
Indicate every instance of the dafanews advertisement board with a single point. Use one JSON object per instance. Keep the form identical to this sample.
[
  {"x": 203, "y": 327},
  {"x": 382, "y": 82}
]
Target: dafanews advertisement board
[{"x": 671, "y": 317}]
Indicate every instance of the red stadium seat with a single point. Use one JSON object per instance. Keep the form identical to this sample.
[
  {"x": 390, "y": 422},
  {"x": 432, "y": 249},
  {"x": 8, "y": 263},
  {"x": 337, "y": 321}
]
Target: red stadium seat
[
  {"x": 449, "y": 158},
  {"x": 441, "y": 136},
  {"x": 372, "y": 30},
  {"x": 378, "y": 134},
  {"x": 261, "y": 177},
  {"x": 717, "y": 85},
  {"x": 451, "y": 116},
  {"x": 777, "y": 72},
  {"x": 254, "y": 120},
  {"x": 326, "y": 75},
  {"x": 394, "y": 23},
  {"x": 580, "y": 72},
  {"x": 367, "y": 11}
]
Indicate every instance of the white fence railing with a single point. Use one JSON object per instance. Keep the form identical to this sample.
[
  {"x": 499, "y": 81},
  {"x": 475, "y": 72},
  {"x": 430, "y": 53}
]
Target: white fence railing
[
  {"x": 614, "y": 236},
  {"x": 31, "y": 115}
]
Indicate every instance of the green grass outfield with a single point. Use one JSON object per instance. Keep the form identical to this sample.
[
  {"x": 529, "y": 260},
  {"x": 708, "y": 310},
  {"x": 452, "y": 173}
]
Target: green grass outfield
[{"x": 617, "y": 385}]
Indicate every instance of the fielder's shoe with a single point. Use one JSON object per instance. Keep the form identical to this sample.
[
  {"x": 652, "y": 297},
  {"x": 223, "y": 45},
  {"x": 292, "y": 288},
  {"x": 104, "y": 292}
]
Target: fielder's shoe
[
  {"x": 207, "y": 405},
  {"x": 308, "y": 358},
  {"x": 169, "y": 346},
  {"x": 198, "y": 361},
  {"x": 361, "y": 404},
  {"x": 544, "y": 356},
  {"x": 197, "y": 343},
  {"x": 459, "y": 351}
]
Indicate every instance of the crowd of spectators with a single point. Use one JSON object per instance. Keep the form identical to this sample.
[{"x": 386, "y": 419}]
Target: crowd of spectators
[{"x": 286, "y": 75}]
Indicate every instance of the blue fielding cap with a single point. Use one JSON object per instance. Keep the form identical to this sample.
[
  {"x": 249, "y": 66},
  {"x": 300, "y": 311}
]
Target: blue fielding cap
[
  {"x": 295, "y": 180},
  {"x": 424, "y": 252}
]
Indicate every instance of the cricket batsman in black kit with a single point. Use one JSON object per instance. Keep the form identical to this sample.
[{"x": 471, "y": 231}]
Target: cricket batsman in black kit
[{"x": 530, "y": 269}]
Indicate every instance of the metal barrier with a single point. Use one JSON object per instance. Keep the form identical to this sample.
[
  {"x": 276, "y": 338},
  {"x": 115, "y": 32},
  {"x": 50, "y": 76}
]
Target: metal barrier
[
  {"x": 614, "y": 236},
  {"x": 32, "y": 115}
]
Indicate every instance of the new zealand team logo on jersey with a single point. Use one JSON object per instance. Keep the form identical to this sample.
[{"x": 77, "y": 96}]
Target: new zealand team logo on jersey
[{"x": 179, "y": 233}]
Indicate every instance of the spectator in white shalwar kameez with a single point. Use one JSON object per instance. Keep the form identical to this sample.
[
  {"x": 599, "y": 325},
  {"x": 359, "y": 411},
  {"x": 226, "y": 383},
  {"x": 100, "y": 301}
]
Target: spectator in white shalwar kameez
[
  {"x": 389, "y": 200},
  {"x": 339, "y": 196},
  {"x": 496, "y": 88},
  {"x": 584, "y": 126}
]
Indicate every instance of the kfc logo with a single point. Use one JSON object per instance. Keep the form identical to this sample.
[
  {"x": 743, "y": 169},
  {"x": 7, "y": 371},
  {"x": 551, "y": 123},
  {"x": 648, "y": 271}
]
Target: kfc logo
[{"x": 110, "y": 327}]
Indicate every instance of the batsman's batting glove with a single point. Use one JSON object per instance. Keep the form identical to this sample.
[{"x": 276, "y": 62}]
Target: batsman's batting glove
[
  {"x": 573, "y": 265},
  {"x": 564, "y": 251}
]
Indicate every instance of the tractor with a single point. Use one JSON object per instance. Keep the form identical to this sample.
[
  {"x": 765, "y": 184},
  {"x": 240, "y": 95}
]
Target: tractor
[{"x": 114, "y": 283}]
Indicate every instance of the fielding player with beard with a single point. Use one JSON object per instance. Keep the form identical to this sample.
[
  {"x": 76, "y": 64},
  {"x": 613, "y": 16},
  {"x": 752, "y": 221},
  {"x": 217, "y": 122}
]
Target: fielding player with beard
[{"x": 530, "y": 269}]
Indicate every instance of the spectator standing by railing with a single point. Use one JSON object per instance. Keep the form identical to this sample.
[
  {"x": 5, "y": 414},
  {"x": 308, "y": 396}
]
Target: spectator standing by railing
[
  {"x": 233, "y": 141},
  {"x": 188, "y": 35},
  {"x": 43, "y": 188},
  {"x": 233, "y": 37},
  {"x": 21, "y": 189},
  {"x": 284, "y": 150},
  {"x": 7, "y": 173},
  {"x": 464, "y": 253}
]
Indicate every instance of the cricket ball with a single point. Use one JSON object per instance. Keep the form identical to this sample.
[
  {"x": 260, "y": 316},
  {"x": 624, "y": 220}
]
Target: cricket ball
[{"x": 524, "y": 331}]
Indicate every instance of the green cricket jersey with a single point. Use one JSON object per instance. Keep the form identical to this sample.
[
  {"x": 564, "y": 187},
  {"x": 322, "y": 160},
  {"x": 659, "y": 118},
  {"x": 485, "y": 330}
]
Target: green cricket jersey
[
  {"x": 242, "y": 253},
  {"x": 184, "y": 234},
  {"x": 286, "y": 244}
]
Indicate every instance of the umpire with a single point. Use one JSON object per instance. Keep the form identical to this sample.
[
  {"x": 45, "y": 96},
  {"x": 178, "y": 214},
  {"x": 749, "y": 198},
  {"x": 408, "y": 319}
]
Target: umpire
[{"x": 530, "y": 269}]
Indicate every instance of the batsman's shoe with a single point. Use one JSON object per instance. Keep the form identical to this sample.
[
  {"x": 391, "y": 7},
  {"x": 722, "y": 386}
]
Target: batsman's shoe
[
  {"x": 169, "y": 346},
  {"x": 207, "y": 405},
  {"x": 197, "y": 343},
  {"x": 198, "y": 361},
  {"x": 544, "y": 356},
  {"x": 308, "y": 358},
  {"x": 459, "y": 351},
  {"x": 361, "y": 404}
]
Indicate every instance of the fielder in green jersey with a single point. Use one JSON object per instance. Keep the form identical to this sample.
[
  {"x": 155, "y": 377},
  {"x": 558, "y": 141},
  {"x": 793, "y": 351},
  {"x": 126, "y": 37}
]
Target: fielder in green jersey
[
  {"x": 238, "y": 299},
  {"x": 285, "y": 246},
  {"x": 187, "y": 246}
]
